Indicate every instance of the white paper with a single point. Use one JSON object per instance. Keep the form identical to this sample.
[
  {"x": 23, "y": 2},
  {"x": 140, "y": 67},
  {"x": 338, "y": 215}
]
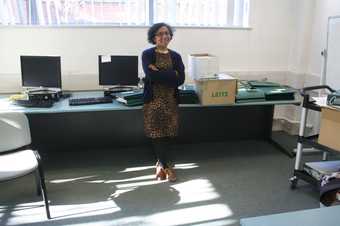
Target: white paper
[
  {"x": 106, "y": 58},
  {"x": 321, "y": 101},
  {"x": 201, "y": 67}
]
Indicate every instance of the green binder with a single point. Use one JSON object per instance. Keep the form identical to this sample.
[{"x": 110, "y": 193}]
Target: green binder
[
  {"x": 251, "y": 91},
  {"x": 130, "y": 95},
  {"x": 245, "y": 95},
  {"x": 130, "y": 98},
  {"x": 279, "y": 93},
  {"x": 256, "y": 84}
]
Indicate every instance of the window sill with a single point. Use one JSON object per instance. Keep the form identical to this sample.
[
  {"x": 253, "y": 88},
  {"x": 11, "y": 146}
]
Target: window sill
[{"x": 120, "y": 26}]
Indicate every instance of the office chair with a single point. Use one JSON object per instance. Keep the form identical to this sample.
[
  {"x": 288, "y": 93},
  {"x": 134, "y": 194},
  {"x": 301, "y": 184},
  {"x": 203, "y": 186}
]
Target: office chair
[{"x": 16, "y": 157}]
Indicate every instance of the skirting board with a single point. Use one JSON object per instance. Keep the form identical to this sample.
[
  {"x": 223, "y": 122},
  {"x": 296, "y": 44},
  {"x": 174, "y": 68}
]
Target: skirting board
[{"x": 290, "y": 127}]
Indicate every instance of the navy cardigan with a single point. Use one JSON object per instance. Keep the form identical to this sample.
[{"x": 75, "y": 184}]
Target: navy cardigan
[{"x": 166, "y": 77}]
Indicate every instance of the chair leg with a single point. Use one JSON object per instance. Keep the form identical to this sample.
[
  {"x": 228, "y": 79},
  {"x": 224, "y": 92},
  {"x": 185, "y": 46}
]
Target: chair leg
[
  {"x": 37, "y": 181},
  {"x": 41, "y": 178},
  {"x": 43, "y": 191}
]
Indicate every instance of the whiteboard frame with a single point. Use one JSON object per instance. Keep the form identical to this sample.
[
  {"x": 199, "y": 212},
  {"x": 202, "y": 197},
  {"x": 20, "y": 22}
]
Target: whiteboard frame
[{"x": 325, "y": 52}]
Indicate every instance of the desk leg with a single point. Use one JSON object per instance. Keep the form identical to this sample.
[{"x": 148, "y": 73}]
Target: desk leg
[
  {"x": 272, "y": 141},
  {"x": 290, "y": 154}
]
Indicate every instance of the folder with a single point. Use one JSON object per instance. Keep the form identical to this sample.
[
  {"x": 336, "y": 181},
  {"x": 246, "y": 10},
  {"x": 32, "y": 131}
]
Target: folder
[
  {"x": 245, "y": 95},
  {"x": 278, "y": 93},
  {"x": 256, "y": 83}
]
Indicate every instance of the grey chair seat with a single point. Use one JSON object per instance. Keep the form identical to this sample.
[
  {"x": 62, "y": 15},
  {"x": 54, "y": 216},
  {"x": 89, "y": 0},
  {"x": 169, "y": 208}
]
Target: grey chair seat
[
  {"x": 17, "y": 164},
  {"x": 16, "y": 159}
]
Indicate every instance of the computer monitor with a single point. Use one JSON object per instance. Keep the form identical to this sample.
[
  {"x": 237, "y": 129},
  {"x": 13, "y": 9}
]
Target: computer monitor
[
  {"x": 118, "y": 70},
  {"x": 41, "y": 71}
]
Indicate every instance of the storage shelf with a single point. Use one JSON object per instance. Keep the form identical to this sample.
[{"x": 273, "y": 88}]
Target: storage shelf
[{"x": 312, "y": 141}]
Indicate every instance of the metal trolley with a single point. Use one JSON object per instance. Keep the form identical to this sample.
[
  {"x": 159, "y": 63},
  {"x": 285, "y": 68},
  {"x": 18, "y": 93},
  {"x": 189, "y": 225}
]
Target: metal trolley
[{"x": 307, "y": 105}]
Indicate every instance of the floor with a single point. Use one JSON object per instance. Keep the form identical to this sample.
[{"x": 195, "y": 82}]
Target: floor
[{"x": 218, "y": 183}]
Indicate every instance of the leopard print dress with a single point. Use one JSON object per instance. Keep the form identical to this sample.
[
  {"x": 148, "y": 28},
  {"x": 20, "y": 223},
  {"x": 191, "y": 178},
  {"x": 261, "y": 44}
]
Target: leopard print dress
[{"x": 161, "y": 114}]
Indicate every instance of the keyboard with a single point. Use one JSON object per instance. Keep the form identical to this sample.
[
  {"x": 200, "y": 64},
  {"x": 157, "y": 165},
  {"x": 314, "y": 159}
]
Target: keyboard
[
  {"x": 90, "y": 100},
  {"x": 35, "y": 103}
]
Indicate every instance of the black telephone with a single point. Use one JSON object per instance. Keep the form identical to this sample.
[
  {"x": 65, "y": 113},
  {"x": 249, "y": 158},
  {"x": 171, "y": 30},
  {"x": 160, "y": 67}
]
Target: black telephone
[{"x": 334, "y": 98}]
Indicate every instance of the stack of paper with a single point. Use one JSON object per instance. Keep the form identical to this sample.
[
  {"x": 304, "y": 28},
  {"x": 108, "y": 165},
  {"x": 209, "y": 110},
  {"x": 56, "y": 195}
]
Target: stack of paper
[
  {"x": 130, "y": 98},
  {"x": 319, "y": 169}
]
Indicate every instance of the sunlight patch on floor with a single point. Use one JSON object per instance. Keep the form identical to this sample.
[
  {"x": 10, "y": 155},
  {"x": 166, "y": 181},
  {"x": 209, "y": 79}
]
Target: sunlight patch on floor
[
  {"x": 36, "y": 213},
  {"x": 57, "y": 181},
  {"x": 145, "y": 177},
  {"x": 133, "y": 169},
  {"x": 190, "y": 215},
  {"x": 139, "y": 184},
  {"x": 186, "y": 166},
  {"x": 196, "y": 191}
]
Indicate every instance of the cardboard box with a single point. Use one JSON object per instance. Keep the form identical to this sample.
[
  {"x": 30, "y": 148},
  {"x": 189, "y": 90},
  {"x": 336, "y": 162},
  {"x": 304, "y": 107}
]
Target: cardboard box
[
  {"x": 220, "y": 90},
  {"x": 330, "y": 128},
  {"x": 201, "y": 66}
]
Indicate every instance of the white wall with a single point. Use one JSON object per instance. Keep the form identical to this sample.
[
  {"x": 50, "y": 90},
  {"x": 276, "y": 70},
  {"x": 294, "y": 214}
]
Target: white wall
[
  {"x": 265, "y": 49},
  {"x": 323, "y": 10},
  {"x": 311, "y": 35},
  {"x": 299, "y": 55}
]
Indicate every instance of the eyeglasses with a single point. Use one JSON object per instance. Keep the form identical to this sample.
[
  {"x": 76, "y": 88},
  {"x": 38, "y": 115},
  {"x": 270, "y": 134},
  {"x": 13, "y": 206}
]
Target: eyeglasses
[{"x": 163, "y": 33}]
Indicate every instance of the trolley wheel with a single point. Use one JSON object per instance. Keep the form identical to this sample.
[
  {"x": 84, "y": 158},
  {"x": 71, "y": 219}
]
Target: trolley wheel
[{"x": 293, "y": 182}]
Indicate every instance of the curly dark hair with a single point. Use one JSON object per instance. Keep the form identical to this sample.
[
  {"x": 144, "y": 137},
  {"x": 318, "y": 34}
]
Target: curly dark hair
[{"x": 154, "y": 28}]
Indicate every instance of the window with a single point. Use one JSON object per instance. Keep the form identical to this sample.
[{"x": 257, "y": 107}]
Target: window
[
  {"x": 206, "y": 13},
  {"x": 73, "y": 12},
  {"x": 200, "y": 13}
]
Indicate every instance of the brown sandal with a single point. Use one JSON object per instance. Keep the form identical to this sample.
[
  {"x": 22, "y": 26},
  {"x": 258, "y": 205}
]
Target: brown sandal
[
  {"x": 170, "y": 174},
  {"x": 160, "y": 172}
]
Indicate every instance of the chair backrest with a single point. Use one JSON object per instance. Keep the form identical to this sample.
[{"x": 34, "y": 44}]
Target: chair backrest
[{"x": 14, "y": 131}]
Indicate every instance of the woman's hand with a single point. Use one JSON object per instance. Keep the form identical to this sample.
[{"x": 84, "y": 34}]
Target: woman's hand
[{"x": 153, "y": 67}]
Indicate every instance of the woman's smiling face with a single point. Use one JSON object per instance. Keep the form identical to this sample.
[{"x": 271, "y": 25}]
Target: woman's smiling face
[{"x": 162, "y": 37}]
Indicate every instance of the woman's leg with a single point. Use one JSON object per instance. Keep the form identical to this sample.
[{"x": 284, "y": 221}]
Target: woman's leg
[
  {"x": 170, "y": 154},
  {"x": 160, "y": 147}
]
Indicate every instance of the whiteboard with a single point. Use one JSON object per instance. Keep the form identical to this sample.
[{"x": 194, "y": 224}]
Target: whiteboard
[{"x": 331, "y": 75}]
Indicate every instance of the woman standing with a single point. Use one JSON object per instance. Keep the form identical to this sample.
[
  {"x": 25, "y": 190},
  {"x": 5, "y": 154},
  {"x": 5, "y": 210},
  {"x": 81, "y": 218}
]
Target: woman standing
[{"x": 164, "y": 73}]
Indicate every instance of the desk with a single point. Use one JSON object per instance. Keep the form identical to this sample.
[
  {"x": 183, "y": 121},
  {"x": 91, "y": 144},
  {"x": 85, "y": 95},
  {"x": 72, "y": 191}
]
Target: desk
[
  {"x": 314, "y": 217},
  {"x": 110, "y": 125}
]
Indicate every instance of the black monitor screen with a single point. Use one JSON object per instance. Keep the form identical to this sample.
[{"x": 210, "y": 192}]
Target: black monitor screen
[
  {"x": 42, "y": 71},
  {"x": 118, "y": 70}
]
